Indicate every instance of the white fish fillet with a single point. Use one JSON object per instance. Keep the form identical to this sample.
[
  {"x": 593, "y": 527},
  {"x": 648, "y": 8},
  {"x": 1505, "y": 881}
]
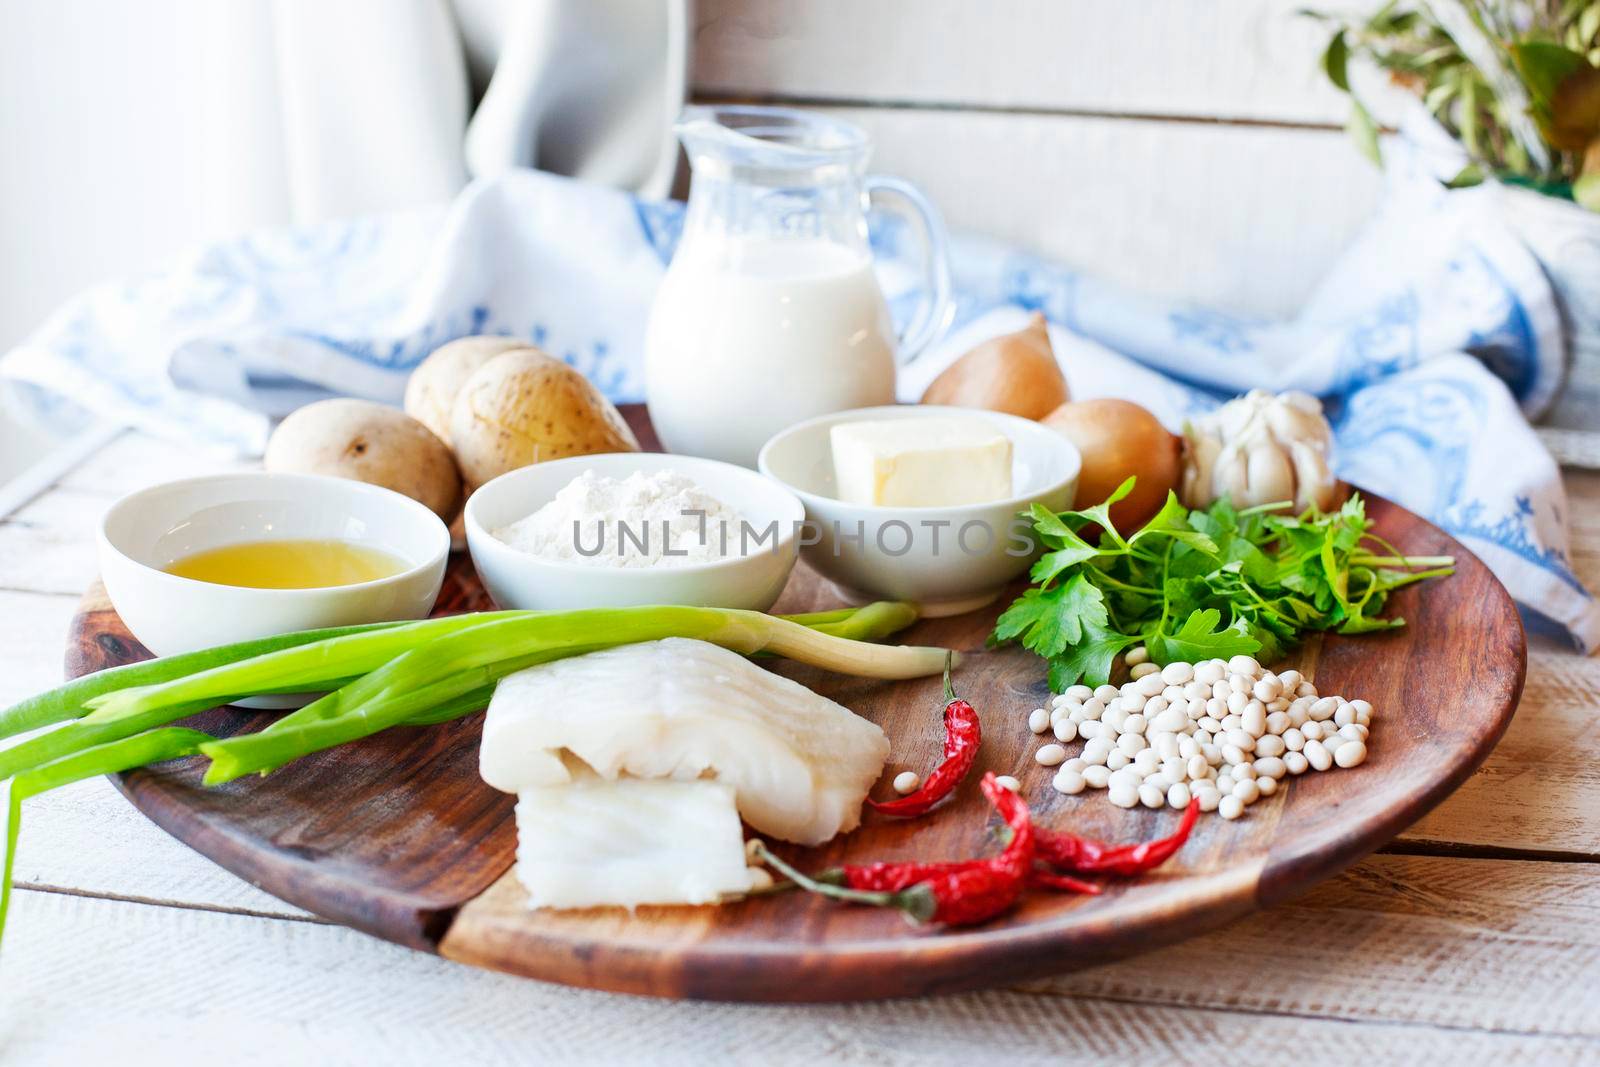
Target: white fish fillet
[
  {"x": 799, "y": 763},
  {"x": 631, "y": 841}
]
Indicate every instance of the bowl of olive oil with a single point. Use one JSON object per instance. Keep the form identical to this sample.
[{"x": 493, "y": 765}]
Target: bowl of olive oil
[{"x": 208, "y": 561}]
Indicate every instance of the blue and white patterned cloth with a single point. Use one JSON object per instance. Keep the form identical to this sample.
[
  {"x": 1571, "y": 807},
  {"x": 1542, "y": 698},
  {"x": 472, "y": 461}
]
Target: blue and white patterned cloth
[{"x": 213, "y": 347}]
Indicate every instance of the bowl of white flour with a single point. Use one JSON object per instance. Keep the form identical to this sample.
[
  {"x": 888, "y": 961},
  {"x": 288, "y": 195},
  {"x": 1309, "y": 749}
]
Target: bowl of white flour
[{"x": 630, "y": 528}]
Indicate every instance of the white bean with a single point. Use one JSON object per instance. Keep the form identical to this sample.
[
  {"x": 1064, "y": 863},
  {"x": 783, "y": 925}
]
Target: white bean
[
  {"x": 1231, "y": 722},
  {"x": 1178, "y": 672},
  {"x": 1172, "y": 693},
  {"x": 1198, "y": 769},
  {"x": 1097, "y": 777},
  {"x": 1268, "y": 688},
  {"x": 1038, "y": 720},
  {"x": 1117, "y": 760},
  {"x": 1296, "y": 762},
  {"x": 1270, "y": 767},
  {"x": 1080, "y": 693},
  {"x": 1305, "y": 689},
  {"x": 907, "y": 782},
  {"x": 1241, "y": 740},
  {"x": 1005, "y": 781},
  {"x": 1363, "y": 708},
  {"x": 1237, "y": 702},
  {"x": 1212, "y": 753},
  {"x": 1294, "y": 740},
  {"x": 1189, "y": 749},
  {"x": 1066, "y": 730},
  {"x": 1210, "y": 672},
  {"x": 1221, "y": 691},
  {"x": 1245, "y": 665},
  {"x": 1074, "y": 764},
  {"x": 1051, "y": 755},
  {"x": 1164, "y": 743},
  {"x": 1096, "y": 749},
  {"x": 1233, "y": 754},
  {"x": 1363, "y": 718},
  {"x": 1134, "y": 724},
  {"x": 1145, "y": 670},
  {"x": 1160, "y": 781},
  {"x": 1093, "y": 708},
  {"x": 1247, "y": 791},
  {"x": 1253, "y": 720},
  {"x": 1128, "y": 776},
  {"x": 1136, "y": 655},
  {"x": 1281, "y": 704},
  {"x": 1131, "y": 743},
  {"x": 1268, "y": 786},
  {"x": 1225, "y": 783},
  {"x": 1277, "y": 723},
  {"x": 1352, "y": 754},
  {"x": 1355, "y": 732},
  {"x": 1105, "y": 694},
  {"x": 1323, "y": 709},
  {"x": 1344, "y": 716},
  {"x": 1312, "y": 731},
  {"x": 1318, "y": 756},
  {"x": 1244, "y": 772},
  {"x": 1230, "y": 807},
  {"x": 1271, "y": 745},
  {"x": 1124, "y": 796},
  {"x": 1151, "y": 683},
  {"x": 1178, "y": 796},
  {"x": 1090, "y": 729},
  {"x": 1197, "y": 690},
  {"x": 1152, "y": 796},
  {"x": 1069, "y": 782},
  {"x": 1210, "y": 724},
  {"x": 1289, "y": 679}
]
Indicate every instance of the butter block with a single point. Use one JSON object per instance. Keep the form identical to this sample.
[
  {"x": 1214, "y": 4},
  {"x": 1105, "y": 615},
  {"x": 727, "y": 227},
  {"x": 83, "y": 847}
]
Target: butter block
[{"x": 921, "y": 462}]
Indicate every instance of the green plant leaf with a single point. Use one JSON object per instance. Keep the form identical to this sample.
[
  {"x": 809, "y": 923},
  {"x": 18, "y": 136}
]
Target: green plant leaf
[
  {"x": 1090, "y": 659},
  {"x": 1466, "y": 177},
  {"x": 1544, "y": 66},
  {"x": 1200, "y": 638},
  {"x": 1364, "y": 131},
  {"x": 1586, "y": 191},
  {"x": 1336, "y": 61},
  {"x": 1048, "y": 620}
]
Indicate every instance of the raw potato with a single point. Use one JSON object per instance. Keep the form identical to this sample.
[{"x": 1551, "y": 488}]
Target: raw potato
[
  {"x": 525, "y": 407},
  {"x": 1118, "y": 438},
  {"x": 371, "y": 443},
  {"x": 1016, "y": 373},
  {"x": 432, "y": 388}
]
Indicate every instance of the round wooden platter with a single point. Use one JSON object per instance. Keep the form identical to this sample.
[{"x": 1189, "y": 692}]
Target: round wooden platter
[{"x": 397, "y": 836}]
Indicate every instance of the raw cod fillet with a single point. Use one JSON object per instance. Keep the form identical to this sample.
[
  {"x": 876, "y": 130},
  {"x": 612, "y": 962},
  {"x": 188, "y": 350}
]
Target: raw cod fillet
[
  {"x": 633, "y": 841},
  {"x": 800, "y": 764}
]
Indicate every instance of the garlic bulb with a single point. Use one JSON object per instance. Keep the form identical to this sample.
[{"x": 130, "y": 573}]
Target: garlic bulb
[{"x": 1260, "y": 448}]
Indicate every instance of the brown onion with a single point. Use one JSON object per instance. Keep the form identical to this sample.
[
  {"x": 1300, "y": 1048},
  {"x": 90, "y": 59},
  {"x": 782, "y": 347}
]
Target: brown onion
[{"x": 1119, "y": 438}]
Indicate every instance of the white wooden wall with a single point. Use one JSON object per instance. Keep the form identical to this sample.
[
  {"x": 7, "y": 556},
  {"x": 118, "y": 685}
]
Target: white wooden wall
[{"x": 1188, "y": 147}]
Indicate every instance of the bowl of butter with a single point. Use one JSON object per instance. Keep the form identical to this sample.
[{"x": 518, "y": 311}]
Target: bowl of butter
[{"x": 922, "y": 503}]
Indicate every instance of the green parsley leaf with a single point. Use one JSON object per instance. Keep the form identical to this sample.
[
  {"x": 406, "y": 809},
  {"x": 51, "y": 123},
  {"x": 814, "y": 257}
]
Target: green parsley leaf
[{"x": 1201, "y": 638}]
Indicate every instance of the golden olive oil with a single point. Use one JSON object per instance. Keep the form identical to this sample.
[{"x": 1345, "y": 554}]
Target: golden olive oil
[{"x": 288, "y": 564}]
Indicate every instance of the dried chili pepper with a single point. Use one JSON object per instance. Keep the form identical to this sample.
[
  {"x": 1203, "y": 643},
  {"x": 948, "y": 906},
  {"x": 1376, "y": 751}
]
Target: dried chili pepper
[
  {"x": 962, "y": 734},
  {"x": 1082, "y": 855},
  {"x": 956, "y": 894}
]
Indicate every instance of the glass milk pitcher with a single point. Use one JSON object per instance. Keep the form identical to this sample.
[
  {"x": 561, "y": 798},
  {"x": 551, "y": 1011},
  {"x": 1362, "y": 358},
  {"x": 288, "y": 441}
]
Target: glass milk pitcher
[{"x": 770, "y": 312}]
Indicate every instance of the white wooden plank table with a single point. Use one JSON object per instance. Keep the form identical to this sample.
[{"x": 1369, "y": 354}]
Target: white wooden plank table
[{"x": 1474, "y": 938}]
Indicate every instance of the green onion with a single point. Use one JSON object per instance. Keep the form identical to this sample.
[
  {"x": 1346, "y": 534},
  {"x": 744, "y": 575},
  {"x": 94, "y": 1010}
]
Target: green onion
[
  {"x": 70, "y": 701},
  {"x": 152, "y": 746},
  {"x": 470, "y": 658}
]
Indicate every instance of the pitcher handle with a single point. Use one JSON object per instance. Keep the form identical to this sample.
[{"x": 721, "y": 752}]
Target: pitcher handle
[{"x": 937, "y": 309}]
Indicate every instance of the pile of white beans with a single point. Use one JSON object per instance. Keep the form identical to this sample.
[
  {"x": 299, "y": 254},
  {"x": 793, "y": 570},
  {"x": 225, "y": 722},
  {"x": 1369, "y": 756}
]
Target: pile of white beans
[{"x": 1225, "y": 732}]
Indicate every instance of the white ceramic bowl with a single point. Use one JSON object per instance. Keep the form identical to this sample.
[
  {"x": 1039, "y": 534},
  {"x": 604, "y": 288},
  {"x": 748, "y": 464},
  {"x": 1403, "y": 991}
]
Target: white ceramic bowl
[
  {"x": 517, "y": 579},
  {"x": 149, "y": 530},
  {"x": 937, "y": 557}
]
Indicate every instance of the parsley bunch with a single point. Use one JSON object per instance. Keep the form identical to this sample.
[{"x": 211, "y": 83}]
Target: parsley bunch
[{"x": 1195, "y": 585}]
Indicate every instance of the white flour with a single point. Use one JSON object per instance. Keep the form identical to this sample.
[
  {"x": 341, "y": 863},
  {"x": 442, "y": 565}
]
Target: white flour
[{"x": 643, "y": 520}]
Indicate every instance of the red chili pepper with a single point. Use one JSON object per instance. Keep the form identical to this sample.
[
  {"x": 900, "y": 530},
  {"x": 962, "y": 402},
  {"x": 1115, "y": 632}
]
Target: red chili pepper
[
  {"x": 962, "y": 735},
  {"x": 956, "y": 894},
  {"x": 1083, "y": 855},
  {"x": 1067, "y": 884}
]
